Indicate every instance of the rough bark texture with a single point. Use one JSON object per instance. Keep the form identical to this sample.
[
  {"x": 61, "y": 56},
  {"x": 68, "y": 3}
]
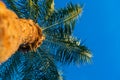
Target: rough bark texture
[{"x": 16, "y": 33}]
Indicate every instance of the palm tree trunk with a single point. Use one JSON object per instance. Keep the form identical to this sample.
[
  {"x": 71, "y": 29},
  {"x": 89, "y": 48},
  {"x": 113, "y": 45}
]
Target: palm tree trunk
[{"x": 16, "y": 33}]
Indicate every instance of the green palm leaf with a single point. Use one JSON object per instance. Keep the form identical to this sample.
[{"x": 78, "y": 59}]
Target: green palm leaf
[
  {"x": 64, "y": 17},
  {"x": 68, "y": 50}
]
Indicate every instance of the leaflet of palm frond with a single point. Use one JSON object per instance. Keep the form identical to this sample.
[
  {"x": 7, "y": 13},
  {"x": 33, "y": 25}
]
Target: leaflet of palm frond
[
  {"x": 68, "y": 50},
  {"x": 35, "y": 1},
  {"x": 49, "y": 8},
  {"x": 64, "y": 19},
  {"x": 24, "y": 67},
  {"x": 33, "y": 9}
]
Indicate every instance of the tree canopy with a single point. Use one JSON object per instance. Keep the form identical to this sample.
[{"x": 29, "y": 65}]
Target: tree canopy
[{"x": 59, "y": 46}]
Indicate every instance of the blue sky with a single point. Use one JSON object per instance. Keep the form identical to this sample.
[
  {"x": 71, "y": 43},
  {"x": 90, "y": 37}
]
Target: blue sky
[{"x": 100, "y": 25}]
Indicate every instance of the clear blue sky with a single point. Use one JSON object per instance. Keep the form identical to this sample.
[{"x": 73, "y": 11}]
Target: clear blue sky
[{"x": 100, "y": 25}]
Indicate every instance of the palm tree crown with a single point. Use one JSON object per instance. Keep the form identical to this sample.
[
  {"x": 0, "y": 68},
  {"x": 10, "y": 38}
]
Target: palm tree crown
[{"x": 59, "y": 45}]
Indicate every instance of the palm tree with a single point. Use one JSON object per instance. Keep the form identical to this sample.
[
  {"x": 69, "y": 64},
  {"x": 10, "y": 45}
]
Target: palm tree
[{"x": 59, "y": 46}]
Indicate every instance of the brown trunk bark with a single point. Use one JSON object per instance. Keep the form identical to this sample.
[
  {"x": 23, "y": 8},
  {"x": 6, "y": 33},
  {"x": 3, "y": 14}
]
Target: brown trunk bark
[{"x": 16, "y": 33}]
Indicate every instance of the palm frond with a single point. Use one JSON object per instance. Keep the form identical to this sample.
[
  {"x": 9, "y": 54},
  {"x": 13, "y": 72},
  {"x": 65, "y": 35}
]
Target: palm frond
[
  {"x": 59, "y": 38},
  {"x": 32, "y": 8},
  {"x": 68, "y": 50},
  {"x": 24, "y": 67},
  {"x": 63, "y": 18}
]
